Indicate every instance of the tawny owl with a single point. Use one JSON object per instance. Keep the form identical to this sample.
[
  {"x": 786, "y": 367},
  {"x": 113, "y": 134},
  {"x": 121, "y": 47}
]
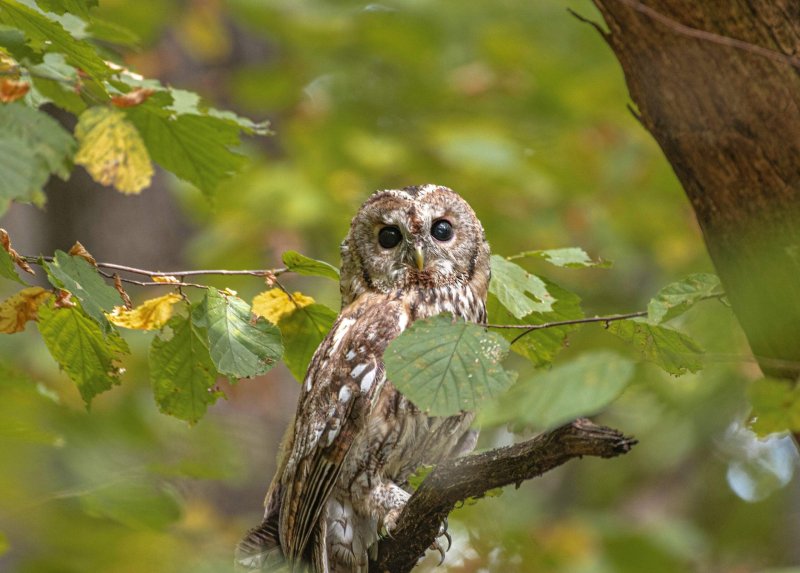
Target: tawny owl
[{"x": 355, "y": 440}]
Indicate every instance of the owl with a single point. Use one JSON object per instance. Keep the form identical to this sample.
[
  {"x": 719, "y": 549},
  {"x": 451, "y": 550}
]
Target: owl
[{"x": 342, "y": 479}]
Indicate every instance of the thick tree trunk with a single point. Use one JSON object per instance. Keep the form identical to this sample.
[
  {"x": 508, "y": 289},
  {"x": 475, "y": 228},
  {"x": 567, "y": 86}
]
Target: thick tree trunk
[{"x": 717, "y": 83}]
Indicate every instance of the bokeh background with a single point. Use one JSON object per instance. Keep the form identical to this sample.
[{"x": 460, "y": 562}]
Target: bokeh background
[{"x": 521, "y": 108}]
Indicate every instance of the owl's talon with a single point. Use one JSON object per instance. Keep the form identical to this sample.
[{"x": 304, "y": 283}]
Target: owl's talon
[
  {"x": 438, "y": 547},
  {"x": 383, "y": 533}
]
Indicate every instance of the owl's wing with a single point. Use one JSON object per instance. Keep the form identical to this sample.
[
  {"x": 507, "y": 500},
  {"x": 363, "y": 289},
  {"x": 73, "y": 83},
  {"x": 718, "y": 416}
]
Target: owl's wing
[{"x": 345, "y": 374}]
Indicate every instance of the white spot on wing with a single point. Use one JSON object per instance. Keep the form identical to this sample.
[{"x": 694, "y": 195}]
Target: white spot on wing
[
  {"x": 338, "y": 336},
  {"x": 355, "y": 372},
  {"x": 402, "y": 321},
  {"x": 344, "y": 394},
  {"x": 368, "y": 379}
]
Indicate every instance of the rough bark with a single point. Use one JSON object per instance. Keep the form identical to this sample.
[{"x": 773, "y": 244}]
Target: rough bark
[
  {"x": 717, "y": 84},
  {"x": 472, "y": 476}
]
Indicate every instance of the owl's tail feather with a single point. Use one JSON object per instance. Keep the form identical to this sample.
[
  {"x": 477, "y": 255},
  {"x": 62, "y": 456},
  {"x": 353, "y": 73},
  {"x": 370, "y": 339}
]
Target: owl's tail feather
[{"x": 260, "y": 549}]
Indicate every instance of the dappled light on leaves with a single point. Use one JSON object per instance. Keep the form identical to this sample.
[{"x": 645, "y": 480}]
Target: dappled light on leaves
[{"x": 112, "y": 151}]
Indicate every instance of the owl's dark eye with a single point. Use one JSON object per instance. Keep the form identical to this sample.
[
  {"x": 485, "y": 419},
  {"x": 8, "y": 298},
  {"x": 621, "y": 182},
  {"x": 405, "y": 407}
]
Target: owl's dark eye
[
  {"x": 442, "y": 230},
  {"x": 389, "y": 237}
]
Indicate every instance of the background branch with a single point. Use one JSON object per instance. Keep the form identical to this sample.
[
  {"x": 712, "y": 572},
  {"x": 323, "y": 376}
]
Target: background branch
[{"x": 472, "y": 476}]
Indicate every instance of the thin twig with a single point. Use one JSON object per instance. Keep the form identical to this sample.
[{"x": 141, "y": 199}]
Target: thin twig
[
  {"x": 149, "y": 273},
  {"x": 609, "y": 318},
  {"x": 150, "y": 283}
]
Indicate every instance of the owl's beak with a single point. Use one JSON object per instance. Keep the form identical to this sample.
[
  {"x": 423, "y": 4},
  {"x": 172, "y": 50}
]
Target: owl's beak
[{"x": 419, "y": 257}]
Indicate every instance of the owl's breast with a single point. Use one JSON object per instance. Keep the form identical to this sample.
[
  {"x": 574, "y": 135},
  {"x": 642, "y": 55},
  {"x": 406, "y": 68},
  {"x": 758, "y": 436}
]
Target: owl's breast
[{"x": 458, "y": 299}]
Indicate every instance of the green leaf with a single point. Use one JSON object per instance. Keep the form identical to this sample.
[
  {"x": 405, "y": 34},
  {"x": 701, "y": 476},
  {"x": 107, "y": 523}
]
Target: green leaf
[
  {"x": 114, "y": 33},
  {"x": 181, "y": 370},
  {"x": 4, "y": 545},
  {"x": 134, "y": 504},
  {"x": 32, "y": 146},
  {"x": 539, "y": 346},
  {"x": 76, "y": 275},
  {"x": 678, "y": 297},
  {"x": 673, "y": 351},
  {"x": 302, "y": 331},
  {"x": 304, "y": 265},
  {"x": 193, "y": 147},
  {"x": 53, "y": 145},
  {"x": 445, "y": 365},
  {"x": 186, "y": 102},
  {"x": 570, "y": 257},
  {"x": 568, "y": 391},
  {"x": 24, "y": 402},
  {"x": 776, "y": 406},
  {"x": 511, "y": 284},
  {"x": 7, "y": 268},
  {"x": 241, "y": 344},
  {"x": 45, "y": 35},
  {"x": 77, "y": 7},
  {"x": 56, "y": 80},
  {"x": 19, "y": 168},
  {"x": 82, "y": 350}
]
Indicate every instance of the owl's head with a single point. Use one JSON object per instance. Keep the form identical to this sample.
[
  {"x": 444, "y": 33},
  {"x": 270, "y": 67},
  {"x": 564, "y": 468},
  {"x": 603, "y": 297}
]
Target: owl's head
[{"x": 415, "y": 237}]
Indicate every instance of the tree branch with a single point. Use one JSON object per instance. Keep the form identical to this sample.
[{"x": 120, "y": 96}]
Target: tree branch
[{"x": 472, "y": 476}]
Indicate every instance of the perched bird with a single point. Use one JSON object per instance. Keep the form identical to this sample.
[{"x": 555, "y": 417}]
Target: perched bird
[{"x": 342, "y": 480}]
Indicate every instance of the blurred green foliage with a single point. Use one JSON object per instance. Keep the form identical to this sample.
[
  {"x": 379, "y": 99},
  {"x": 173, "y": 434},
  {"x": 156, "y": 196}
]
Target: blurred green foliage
[{"x": 521, "y": 109}]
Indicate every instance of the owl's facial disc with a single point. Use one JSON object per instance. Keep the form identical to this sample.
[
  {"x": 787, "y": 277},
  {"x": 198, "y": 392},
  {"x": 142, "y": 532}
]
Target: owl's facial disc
[{"x": 424, "y": 237}]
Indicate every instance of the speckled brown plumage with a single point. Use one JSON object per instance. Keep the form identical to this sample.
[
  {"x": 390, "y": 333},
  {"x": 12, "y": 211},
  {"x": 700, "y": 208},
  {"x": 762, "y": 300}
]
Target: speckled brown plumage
[{"x": 355, "y": 439}]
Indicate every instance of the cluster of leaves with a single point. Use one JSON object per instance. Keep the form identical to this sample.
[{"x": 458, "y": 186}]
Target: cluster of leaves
[
  {"x": 219, "y": 335},
  {"x": 56, "y": 52},
  {"x": 444, "y": 365},
  {"x": 445, "y": 368}
]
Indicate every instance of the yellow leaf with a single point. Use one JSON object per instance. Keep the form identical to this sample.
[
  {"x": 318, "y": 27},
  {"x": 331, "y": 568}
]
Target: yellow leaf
[
  {"x": 112, "y": 151},
  {"x": 275, "y": 304},
  {"x": 150, "y": 315},
  {"x": 167, "y": 279},
  {"x": 15, "y": 311}
]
